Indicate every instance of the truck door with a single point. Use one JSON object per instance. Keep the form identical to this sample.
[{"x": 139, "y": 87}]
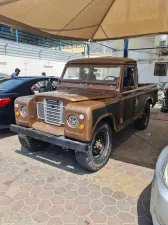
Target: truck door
[{"x": 128, "y": 97}]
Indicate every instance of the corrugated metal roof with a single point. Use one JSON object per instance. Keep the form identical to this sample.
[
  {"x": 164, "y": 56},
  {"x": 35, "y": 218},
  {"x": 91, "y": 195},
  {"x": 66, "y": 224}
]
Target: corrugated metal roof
[{"x": 24, "y": 50}]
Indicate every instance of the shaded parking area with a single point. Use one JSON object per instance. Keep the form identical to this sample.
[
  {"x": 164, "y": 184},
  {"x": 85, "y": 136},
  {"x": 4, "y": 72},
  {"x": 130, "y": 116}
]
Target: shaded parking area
[{"x": 48, "y": 187}]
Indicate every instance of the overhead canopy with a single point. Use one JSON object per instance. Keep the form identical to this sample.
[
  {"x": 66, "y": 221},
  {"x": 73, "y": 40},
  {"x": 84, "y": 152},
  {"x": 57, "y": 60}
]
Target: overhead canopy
[{"x": 86, "y": 19}]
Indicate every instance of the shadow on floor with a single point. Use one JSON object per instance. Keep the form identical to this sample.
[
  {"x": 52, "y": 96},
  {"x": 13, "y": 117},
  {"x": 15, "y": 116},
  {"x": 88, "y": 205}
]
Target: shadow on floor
[
  {"x": 143, "y": 207},
  {"x": 129, "y": 145},
  {"x": 5, "y": 133},
  {"x": 56, "y": 157},
  {"x": 132, "y": 146}
]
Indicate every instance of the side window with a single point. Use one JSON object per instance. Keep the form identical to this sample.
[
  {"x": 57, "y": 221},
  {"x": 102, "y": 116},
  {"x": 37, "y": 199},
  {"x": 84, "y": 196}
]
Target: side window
[
  {"x": 129, "y": 77},
  {"x": 54, "y": 84},
  {"x": 40, "y": 86}
]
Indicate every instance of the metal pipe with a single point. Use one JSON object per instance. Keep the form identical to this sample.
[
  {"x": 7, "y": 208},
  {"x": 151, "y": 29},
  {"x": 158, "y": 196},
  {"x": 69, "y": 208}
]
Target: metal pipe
[
  {"x": 17, "y": 35},
  {"x": 5, "y": 48},
  {"x": 125, "y": 53},
  {"x": 135, "y": 49},
  {"x": 60, "y": 47},
  {"x": 84, "y": 50},
  {"x": 40, "y": 54},
  {"x": 114, "y": 49},
  {"x": 88, "y": 49}
]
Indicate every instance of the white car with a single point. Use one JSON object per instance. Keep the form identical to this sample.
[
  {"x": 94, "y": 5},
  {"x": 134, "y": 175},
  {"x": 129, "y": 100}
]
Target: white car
[{"x": 159, "y": 194}]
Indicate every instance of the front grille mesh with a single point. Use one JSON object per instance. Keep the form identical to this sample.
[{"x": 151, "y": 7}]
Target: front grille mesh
[{"x": 52, "y": 111}]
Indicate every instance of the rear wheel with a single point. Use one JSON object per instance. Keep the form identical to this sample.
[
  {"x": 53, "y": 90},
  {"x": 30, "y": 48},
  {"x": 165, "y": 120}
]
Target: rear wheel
[
  {"x": 142, "y": 123},
  {"x": 32, "y": 144},
  {"x": 99, "y": 150}
]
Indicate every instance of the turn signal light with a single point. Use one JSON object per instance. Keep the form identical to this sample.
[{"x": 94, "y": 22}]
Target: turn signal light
[
  {"x": 4, "y": 101},
  {"x": 82, "y": 127},
  {"x": 17, "y": 114}
]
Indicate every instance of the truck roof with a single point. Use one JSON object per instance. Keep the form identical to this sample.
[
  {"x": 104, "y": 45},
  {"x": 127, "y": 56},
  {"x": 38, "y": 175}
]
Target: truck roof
[{"x": 102, "y": 61}]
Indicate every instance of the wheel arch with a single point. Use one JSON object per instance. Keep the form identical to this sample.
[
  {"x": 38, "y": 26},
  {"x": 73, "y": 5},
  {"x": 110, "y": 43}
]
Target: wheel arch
[
  {"x": 150, "y": 100},
  {"x": 106, "y": 118}
]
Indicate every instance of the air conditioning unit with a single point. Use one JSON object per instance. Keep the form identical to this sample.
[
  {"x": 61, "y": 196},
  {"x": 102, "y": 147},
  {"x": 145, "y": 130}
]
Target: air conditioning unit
[
  {"x": 161, "y": 40},
  {"x": 163, "y": 43},
  {"x": 163, "y": 51}
]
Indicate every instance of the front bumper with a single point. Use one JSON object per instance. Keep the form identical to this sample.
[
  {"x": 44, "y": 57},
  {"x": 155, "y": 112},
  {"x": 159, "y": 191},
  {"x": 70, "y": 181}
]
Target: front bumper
[
  {"x": 56, "y": 140},
  {"x": 159, "y": 192}
]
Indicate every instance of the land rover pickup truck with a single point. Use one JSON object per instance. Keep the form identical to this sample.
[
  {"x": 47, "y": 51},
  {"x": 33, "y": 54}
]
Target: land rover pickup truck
[{"x": 95, "y": 97}]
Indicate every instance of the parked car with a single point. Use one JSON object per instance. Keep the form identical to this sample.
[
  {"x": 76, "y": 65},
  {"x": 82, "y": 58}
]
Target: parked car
[
  {"x": 86, "y": 109},
  {"x": 159, "y": 193},
  {"x": 10, "y": 89}
]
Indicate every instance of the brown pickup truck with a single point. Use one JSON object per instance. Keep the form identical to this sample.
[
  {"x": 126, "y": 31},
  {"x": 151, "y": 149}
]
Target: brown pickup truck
[{"x": 94, "y": 98}]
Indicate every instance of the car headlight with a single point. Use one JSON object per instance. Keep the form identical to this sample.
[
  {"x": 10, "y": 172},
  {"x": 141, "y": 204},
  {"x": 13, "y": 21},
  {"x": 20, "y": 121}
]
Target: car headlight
[
  {"x": 23, "y": 111},
  {"x": 165, "y": 176},
  {"x": 73, "y": 121}
]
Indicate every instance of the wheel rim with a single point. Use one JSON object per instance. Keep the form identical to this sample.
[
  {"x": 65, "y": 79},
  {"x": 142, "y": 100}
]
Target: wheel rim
[{"x": 99, "y": 144}]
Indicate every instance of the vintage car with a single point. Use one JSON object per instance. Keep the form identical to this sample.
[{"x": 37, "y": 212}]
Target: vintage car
[{"x": 94, "y": 98}]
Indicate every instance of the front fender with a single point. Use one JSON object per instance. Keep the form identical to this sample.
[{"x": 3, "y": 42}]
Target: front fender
[{"x": 94, "y": 112}]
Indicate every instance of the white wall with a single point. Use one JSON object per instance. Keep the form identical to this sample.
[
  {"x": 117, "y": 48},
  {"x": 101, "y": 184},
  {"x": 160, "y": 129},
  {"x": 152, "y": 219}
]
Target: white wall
[
  {"x": 146, "y": 65},
  {"x": 34, "y": 67},
  {"x": 30, "y": 66}
]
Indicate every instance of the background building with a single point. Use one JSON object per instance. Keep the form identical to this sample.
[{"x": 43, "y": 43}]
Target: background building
[{"x": 34, "y": 54}]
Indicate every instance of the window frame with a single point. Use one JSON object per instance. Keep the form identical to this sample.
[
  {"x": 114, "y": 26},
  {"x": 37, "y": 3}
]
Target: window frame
[
  {"x": 135, "y": 79},
  {"x": 92, "y": 66},
  {"x": 166, "y": 69},
  {"x": 101, "y": 81},
  {"x": 73, "y": 80}
]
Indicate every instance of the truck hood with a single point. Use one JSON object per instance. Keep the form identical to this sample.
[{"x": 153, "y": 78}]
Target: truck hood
[{"x": 78, "y": 95}]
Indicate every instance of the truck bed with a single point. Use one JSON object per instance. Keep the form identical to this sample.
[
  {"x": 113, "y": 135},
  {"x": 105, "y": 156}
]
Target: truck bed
[{"x": 141, "y": 87}]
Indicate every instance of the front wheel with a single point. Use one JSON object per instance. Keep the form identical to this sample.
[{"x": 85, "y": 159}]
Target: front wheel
[
  {"x": 99, "y": 150},
  {"x": 32, "y": 144},
  {"x": 142, "y": 123}
]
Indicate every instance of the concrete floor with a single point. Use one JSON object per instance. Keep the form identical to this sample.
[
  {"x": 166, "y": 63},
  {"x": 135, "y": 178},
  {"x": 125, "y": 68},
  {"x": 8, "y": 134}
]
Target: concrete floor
[{"x": 49, "y": 187}]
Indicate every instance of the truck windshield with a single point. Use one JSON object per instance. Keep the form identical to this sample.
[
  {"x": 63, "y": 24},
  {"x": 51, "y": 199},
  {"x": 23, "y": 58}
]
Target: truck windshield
[{"x": 93, "y": 74}]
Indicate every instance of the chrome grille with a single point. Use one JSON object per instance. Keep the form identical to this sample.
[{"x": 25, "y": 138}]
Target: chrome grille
[{"x": 52, "y": 111}]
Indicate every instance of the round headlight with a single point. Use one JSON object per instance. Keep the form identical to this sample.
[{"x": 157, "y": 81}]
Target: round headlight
[
  {"x": 23, "y": 111},
  {"x": 73, "y": 121}
]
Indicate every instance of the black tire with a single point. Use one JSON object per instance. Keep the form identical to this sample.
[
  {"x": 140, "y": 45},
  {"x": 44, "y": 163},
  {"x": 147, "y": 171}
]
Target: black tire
[
  {"x": 97, "y": 156},
  {"x": 32, "y": 144},
  {"x": 142, "y": 123}
]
